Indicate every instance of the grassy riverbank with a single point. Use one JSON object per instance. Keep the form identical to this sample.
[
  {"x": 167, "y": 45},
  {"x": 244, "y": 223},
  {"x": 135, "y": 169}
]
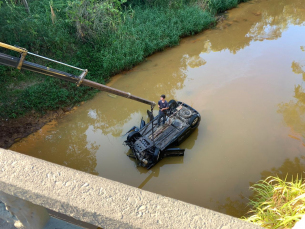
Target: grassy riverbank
[
  {"x": 277, "y": 203},
  {"x": 105, "y": 37}
]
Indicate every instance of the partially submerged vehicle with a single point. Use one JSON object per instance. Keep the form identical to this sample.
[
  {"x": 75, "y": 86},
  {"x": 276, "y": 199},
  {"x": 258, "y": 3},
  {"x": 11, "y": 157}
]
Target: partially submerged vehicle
[{"x": 149, "y": 143}]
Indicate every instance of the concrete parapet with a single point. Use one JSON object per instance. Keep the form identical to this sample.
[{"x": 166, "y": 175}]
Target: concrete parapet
[{"x": 99, "y": 201}]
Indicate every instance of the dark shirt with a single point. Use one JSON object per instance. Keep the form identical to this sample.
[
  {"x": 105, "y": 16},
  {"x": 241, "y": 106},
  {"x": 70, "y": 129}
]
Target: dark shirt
[{"x": 163, "y": 105}]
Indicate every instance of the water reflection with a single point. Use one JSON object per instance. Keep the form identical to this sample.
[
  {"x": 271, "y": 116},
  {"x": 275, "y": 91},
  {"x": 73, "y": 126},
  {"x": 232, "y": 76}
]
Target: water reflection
[
  {"x": 290, "y": 169},
  {"x": 294, "y": 111},
  {"x": 297, "y": 68},
  {"x": 256, "y": 24},
  {"x": 155, "y": 171},
  {"x": 194, "y": 61},
  {"x": 237, "y": 208},
  {"x": 277, "y": 19},
  {"x": 75, "y": 150}
]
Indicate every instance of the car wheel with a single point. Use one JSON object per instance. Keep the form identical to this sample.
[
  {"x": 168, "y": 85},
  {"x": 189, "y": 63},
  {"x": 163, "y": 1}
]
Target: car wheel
[
  {"x": 156, "y": 155},
  {"x": 172, "y": 104},
  {"x": 194, "y": 121},
  {"x": 132, "y": 137}
]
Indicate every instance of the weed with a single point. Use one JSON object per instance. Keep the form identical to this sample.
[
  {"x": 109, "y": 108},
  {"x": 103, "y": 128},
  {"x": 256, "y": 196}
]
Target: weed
[{"x": 277, "y": 203}]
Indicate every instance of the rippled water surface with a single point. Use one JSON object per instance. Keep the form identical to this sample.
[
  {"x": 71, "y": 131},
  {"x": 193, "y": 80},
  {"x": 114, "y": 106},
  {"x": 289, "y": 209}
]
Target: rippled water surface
[{"x": 245, "y": 77}]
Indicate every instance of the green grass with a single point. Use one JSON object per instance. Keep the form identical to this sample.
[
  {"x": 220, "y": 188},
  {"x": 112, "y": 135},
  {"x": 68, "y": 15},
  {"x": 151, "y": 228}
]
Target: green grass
[
  {"x": 277, "y": 203},
  {"x": 103, "y": 36}
]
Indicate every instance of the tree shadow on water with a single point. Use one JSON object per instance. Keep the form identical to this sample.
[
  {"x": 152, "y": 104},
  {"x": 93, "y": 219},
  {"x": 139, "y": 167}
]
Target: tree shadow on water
[
  {"x": 294, "y": 111},
  {"x": 239, "y": 206}
]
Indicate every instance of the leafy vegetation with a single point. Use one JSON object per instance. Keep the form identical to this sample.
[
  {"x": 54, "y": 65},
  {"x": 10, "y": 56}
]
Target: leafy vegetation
[
  {"x": 104, "y": 36},
  {"x": 277, "y": 203}
]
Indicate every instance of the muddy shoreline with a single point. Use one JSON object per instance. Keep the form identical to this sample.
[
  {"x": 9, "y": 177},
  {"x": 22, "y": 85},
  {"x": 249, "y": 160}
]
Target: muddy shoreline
[{"x": 13, "y": 130}]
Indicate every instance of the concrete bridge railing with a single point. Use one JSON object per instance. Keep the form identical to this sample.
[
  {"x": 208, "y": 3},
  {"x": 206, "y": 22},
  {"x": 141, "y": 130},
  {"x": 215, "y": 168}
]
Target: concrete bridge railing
[{"x": 29, "y": 186}]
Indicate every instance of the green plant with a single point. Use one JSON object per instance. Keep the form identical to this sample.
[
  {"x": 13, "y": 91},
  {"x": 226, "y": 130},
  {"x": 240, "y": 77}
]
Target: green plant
[
  {"x": 277, "y": 203},
  {"x": 93, "y": 17}
]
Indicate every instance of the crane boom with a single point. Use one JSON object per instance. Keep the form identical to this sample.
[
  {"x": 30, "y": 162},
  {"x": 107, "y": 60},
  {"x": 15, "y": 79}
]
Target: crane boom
[{"x": 21, "y": 63}]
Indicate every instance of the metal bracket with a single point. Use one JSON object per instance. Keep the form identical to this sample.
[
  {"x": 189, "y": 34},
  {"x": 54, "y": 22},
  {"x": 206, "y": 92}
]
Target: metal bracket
[
  {"x": 22, "y": 57},
  {"x": 23, "y": 53},
  {"x": 152, "y": 105},
  {"x": 81, "y": 77}
]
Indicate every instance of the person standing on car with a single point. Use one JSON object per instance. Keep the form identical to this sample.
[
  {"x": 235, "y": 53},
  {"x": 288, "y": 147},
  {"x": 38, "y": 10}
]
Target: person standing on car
[{"x": 163, "y": 106}]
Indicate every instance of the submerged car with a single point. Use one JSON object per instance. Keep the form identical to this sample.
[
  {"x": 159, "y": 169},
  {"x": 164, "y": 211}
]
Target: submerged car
[{"x": 150, "y": 143}]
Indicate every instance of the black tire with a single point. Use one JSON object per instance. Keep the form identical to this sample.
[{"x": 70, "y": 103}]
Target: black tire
[
  {"x": 194, "y": 121},
  {"x": 156, "y": 155},
  {"x": 172, "y": 104},
  {"x": 132, "y": 137}
]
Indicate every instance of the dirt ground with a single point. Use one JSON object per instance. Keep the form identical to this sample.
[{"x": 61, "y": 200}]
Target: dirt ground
[{"x": 13, "y": 130}]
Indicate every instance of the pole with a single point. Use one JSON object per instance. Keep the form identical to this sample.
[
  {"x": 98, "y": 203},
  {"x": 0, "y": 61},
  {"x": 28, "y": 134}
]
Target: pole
[
  {"x": 127, "y": 95},
  {"x": 152, "y": 127},
  {"x": 20, "y": 63}
]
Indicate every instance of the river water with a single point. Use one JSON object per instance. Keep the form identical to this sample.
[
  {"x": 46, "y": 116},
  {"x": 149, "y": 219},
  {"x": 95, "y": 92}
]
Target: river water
[{"x": 245, "y": 77}]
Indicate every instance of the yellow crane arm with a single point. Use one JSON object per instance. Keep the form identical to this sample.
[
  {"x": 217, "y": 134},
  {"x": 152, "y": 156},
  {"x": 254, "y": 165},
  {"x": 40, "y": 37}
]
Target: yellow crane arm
[{"x": 20, "y": 63}]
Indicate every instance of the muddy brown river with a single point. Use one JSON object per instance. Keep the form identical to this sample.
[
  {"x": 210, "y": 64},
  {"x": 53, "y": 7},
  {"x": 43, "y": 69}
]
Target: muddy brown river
[{"x": 245, "y": 77}]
